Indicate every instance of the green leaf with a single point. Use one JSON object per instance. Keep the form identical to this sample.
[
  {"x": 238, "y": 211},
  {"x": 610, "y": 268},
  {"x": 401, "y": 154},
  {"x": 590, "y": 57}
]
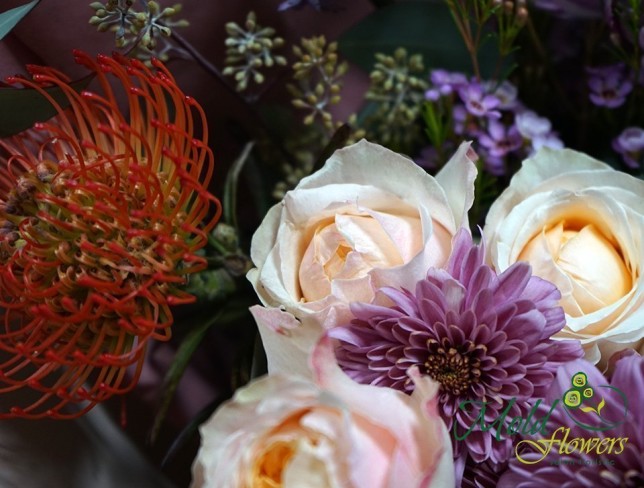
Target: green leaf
[
  {"x": 425, "y": 28},
  {"x": 232, "y": 311},
  {"x": 189, "y": 430},
  {"x": 10, "y": 18},
  {"x": 21, "y": 108}
]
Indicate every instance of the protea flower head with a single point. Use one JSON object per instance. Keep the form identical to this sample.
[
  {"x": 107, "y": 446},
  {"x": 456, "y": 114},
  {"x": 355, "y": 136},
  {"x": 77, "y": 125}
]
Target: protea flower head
[
  {"x": 483, "y": 337},
  {"x": 100, "y": 217}
]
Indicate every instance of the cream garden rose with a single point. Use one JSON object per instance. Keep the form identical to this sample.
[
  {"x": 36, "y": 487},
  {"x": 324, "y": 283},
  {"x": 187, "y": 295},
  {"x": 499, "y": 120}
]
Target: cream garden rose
[
  {"x": 288, "y": 432},
  {"x": 368, "y": 218},
  {"x": 580, "y": 224}
]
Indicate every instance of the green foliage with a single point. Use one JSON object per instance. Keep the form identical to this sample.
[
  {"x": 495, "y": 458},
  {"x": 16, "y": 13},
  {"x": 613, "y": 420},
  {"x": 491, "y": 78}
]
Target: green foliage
[
  {"x": 438, "y": 123},
  {"x": 10, "y": 18},
  {"x": 425, "y": 28},
  {"x": 20, "y": 109},
  {"x": 230, "y": 313}
]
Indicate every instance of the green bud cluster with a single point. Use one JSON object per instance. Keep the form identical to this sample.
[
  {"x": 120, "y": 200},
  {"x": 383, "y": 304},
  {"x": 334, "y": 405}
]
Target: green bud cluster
[
  {"x": 397, "y": 88},
  {"x": 317, "y": 75},
  {"x": 249, "y": 49}
]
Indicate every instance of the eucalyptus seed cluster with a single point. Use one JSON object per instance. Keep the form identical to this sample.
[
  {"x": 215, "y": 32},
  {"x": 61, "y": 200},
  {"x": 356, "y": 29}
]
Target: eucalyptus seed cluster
[
  {"x": 398, "y": 87},
  {"x": 143, "y": 29},
  {"x": 250, "y": 48},
  {"x": 317, "y": 74}
]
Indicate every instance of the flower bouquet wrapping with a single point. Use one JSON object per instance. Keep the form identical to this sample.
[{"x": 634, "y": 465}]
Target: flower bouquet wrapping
[{"x": 292, "y": 244}]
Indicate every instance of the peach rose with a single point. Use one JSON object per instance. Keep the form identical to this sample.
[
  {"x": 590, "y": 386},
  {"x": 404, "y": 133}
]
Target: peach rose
[
  {"x": 580, "y": 224},
  {"x": 368, "y": 218},
  {"x": 287, "y": 432}
]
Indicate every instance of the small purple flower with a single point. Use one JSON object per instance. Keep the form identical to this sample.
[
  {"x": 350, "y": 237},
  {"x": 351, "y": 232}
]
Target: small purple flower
[
  {"x": 548, "y": 140},
  {"x": 506, "y": 92},
  {"x": 493, "y": 164},
  {"x": 581, "y": 9},
  {"x": 460, "y": 119},
  {"x": 478, "y": 103},
  {"x": 433, "y": 94},
  {"x": 500, "y": 140},
  {"x": 630, "y": 144},
  {"x": 531, "y": 126},
  {"x": 429, "y": 158},
  {"x": 609, "y": 85},
  {"x": 483, "y": 337},
  {"x": 316, "y": 4},
  {"x": 622, "y": 413},
  {"x": 447, "y": 82},
  {"x": 537, "y": 130}
]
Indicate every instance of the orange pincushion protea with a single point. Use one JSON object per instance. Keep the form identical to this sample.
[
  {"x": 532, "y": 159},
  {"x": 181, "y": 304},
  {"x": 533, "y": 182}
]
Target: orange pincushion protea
[{"x": 100, "y": 218}]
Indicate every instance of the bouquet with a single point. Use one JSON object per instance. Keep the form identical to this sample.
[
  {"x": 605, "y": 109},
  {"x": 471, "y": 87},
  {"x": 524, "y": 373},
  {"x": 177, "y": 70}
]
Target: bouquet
[{"x": 323, "y": 243}]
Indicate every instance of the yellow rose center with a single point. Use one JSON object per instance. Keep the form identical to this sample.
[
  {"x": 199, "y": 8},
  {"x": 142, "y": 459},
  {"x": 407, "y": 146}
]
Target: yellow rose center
[
  {"x": 350, "y": 245},
  {"x": 593, "y": 263},
  {"x": 292, "y": 443},
  {"x": 271, "y": 464}
]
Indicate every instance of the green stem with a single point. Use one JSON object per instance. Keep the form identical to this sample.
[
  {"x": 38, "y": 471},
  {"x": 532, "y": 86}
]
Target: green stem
[{"x": 382, "y": 3}]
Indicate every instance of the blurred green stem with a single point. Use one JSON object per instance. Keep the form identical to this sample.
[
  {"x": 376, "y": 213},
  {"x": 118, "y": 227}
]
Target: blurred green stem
[
  {"x": 382, "y": 3},
  {"x": 541, "y": 51}
]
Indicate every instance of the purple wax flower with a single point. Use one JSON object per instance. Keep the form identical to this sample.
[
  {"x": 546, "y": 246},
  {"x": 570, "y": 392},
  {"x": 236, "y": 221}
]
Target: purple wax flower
[
  {"x": 484, "y": 337},
  {"x": 447, "y": 82},
  {"x": 530, "y": 125},
  {"x": 316, "y": 4},
  {"x": 478, "y": 103},
  {"x": 621, "y": 416},
  {"x": 572, "y": 8},
  {"x": 609, "y": 85},
  {"x": 494, "y": 165},
  {"x": 500, "y": 140},
  {"x": 537, "y": 130},
  {"x": 548, "y": 140},
  {"x": 444, "y": 83},
  {"x": 433, "y": 94},
  {"x": 459, "y": 113},
  {"x": 630, "y": 144},
  {"x": 506, "y": 92},
  {"x": 429, "y": 157}
]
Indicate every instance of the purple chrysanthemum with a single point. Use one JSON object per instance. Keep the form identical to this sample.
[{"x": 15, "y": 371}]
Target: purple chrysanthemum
[
  {"x": 482, "y": 475},
  {"x": 483, "y": 337},
  {"x": 565, "y": 466}
]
